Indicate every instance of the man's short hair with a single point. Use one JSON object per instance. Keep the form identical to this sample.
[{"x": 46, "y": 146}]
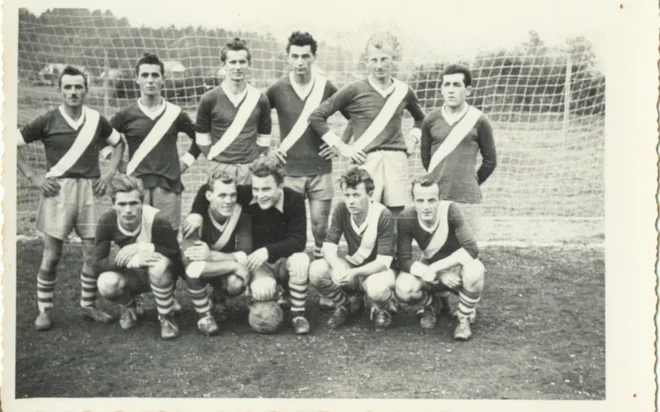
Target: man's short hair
[
  {"x": 302, "y": 39},
  {"x": 268, "y": 166},
  {"x": 71, "y": 71},
  {"x": 459, "y": 68},
  {"x": 219, "y": 175},
  {"x": 351, "y": 178},
  {"x": 236, "y": 44},
  {"x": 425, "y": 181},
  {"x": 150, "y": 58},
  {"x": 122, "y": 183},
  {"x": 380, "y": 40}
]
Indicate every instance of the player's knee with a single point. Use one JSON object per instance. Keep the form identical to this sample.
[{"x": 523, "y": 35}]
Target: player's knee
[
  {"x": 319, "y": 271},
  {"x": 319, "y": 227},
  {"x": 243, "y": 273},
  {"x": 407, "y": 287},
  {"x": 110, "y": 284},
  {"x": 160, "y": 274},
  {"x": 473, "y": 274},
  {"x": 195, "y": 284},
  {"x": 263, "y": 288},
  {"x": 234, "y": 285},
  {"x": 298, "y": 267},
  {"x": 379, "y": 288},
  {"x": 50, "y": 259}
]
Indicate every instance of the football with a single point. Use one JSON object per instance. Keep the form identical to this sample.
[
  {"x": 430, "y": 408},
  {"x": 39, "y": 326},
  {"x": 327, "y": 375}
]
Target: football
[{"x": 265, "y": 317}]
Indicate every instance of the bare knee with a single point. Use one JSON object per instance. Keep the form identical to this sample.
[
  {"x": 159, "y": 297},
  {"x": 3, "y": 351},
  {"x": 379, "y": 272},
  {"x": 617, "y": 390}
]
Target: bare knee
[
  {"x": 51, "y": 257},
  {"x": 298, "y": 267},
  {"x": 472, "y": 275},
  {"x": 159, "y": 272},
  {"x": 379, "y": 287},
  {"x": 319, "y": 270},
  {"x": 319, "y": 227},
  {"x": 110, "y": 284},
  {"x": 407, "y": 287},
  {"x": 234, "y": 285}
]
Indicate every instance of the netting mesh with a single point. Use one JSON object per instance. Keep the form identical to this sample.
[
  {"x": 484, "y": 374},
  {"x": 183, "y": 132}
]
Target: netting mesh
[{"x": 546, "y": 105}]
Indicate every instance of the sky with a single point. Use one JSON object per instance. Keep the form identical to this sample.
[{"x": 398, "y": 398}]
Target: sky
[{"x": 425, "y": 26}]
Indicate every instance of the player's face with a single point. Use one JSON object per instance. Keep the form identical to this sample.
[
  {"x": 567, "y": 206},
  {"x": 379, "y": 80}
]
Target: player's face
[
  {"x": 237, "y": 65},
  {"x": 150, "y": 79},
  {"x": 454, "y": 91},
  {"x": 357, "y": 199},
  {"x": 426, "y": 202},
  {"x": 73, "y": 90},
  {"x": 223, "y": 198},
  {"x": 266, "y": 191},
  {"x": 301, "y": 59},
  {"x": 129, "y": 209},
  {"x": 379, "y": 62}
]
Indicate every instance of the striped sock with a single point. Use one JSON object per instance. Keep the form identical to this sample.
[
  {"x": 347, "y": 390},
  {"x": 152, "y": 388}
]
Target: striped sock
[
  {"x": 387, "y": 304},
  {"x": 88, "y": 290},
  {"x": 125, "y": 300},
  {"x": 333, "y": 292},
  {"x": 298, "y": 295},
  {"x": 45, "y": 291},
  {"x": 164, "y": 298},
  {"x": 318, "y": 254},
  {"x": 467, "y": 302},
  {"x": 200, "y": 299}
]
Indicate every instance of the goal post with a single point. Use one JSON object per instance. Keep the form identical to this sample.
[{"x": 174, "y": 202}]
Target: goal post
[{"x": 545, "y": 102}]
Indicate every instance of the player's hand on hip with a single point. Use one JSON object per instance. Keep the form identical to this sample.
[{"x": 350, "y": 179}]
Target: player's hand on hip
[
  {"x": 411, "y": 142},
  {"x": 257, "y": 258},
  {"x": 122, "y": 167},
  {"x": 126, "y": 253},
  {"x": 353, "y": 154},
  {"x": 328, "y": 152},
  {"x": 279, "y": 154},
  {"x": 198, "y": 252},
  {"x": 191, "y": 223},
  {"x": 100, "y": 185},
  {"x": 50, "y": 187},
  {"x": 451, "y": 279}
]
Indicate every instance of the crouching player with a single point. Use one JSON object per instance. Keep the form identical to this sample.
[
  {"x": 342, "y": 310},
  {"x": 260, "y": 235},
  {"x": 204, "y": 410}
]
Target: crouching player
[
  {"x": 147, "y": 258},
  {"x": 216, "y": 254},
  {"x": 368, "y": 229},
  {"x": 449, "y": 256}
]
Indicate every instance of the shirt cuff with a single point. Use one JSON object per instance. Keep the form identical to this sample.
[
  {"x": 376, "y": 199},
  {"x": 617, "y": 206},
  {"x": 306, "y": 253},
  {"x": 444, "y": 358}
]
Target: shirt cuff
[
  {"x": 188, "y": 159},
  {"x": 203, "y": 139},
  {"x": 114, "y": 138},
  {"x": 263, "y": 140},
  {"x": 241, "y": 258},
  {"x": 331, "y": 139},
  {"x": 418, "y": 269},
  {"x": 195, "y": 269},
  {"x": 386, "y": 260}
]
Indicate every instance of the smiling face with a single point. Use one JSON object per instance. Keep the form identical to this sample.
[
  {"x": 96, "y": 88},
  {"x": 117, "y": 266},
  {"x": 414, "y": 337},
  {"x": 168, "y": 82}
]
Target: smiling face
[
  {"x": 380, "y": 61},
  {"x": 426, "y": 200},
  {"x": 73, "y": 90},
  {"x": 266, "y": 191},
  {"x": 236, "y": 65},
  {"x": 222, "y": 198},
  {"x": 150, "y": 79}
]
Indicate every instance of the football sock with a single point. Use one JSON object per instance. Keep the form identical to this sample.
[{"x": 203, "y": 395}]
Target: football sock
[
  {"x": 467, "y": 302},
  {"x": 45, "y": 290},
  {"x": 298, "y": 293},
  {"x": 317, "y": 252},
  {"x": 88, "y": 290},
  {"x": 200, "y": 299},
  {"x": 164, "y": 297}
]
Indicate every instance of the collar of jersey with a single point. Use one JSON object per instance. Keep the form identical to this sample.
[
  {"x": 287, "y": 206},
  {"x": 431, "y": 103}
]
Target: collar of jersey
[
  {"x": 235, "y": 99},
  {"x": 279, "y": 205},
  {"x": 153, "y": 113},
  {"x": 220, "y": 226},
  {"x": 452, "y": 119},
  {"x": 360, "y": 229},
  {"x": 382, "y": 92},
  {"x": 75, "y": 124},
  {"x": 429, "y": 229},
  {"x": 126, "y": 232},
  {"x": 301, "y": 91}
]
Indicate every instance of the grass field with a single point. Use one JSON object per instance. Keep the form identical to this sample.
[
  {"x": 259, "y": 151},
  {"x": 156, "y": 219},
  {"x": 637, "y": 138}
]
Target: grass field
[{"x": 540, "y": 335}]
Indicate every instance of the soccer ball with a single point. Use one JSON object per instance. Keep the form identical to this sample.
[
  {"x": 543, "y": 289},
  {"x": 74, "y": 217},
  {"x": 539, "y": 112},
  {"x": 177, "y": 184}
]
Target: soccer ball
[{"x": 265, "y": 317}]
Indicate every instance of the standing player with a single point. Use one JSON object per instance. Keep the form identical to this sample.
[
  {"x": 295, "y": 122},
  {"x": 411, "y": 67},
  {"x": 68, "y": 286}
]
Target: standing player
[
  {"x": 449, "y": 256},
  {"x": 368, "y": 230},
  {"x": 72, "y": 135},
  {"x": 452, "y": 137},
  {"x": 375, "y": 106},
  {"x": 279, "y": 231},
  {"x": 151, "y": 126},
  {"x": 233, "y": 120},
  {"x": 217, "y": 253},
  {"x": 148, "y": 257},
  {"x": 307, "y": 159}
]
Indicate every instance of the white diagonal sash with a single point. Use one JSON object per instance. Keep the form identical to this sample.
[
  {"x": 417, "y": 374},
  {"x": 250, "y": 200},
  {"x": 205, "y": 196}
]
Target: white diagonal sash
[
  {"x": 236, "y": 126},
  {"x": 146, "y": 225},
  {"x": 229, "y": 229},
  {"x": 82, "y": 142},
  {"x": 455, "y": 137},
  {"x": 313, "y": 101},
  {"x": 384, "y": 116},
  {"x": 368, "y": 241},
  {"x": 154, "y": 137},
  {"x": 439, "y": 237}
]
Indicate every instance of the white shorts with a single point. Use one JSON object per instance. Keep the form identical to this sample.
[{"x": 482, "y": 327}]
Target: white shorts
[{"x": 389, "y": 170}]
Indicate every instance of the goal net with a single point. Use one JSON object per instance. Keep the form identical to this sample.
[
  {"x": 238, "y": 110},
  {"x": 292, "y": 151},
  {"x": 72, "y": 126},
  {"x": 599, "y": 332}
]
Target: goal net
[{"x": 546, "y": 104}]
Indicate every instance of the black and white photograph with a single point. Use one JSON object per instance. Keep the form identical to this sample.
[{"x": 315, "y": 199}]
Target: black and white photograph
[{"x": 333, "y": 205}]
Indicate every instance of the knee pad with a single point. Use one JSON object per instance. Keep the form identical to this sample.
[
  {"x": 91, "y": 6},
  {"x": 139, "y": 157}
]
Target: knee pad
[{"x": 160, "y": 269}]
